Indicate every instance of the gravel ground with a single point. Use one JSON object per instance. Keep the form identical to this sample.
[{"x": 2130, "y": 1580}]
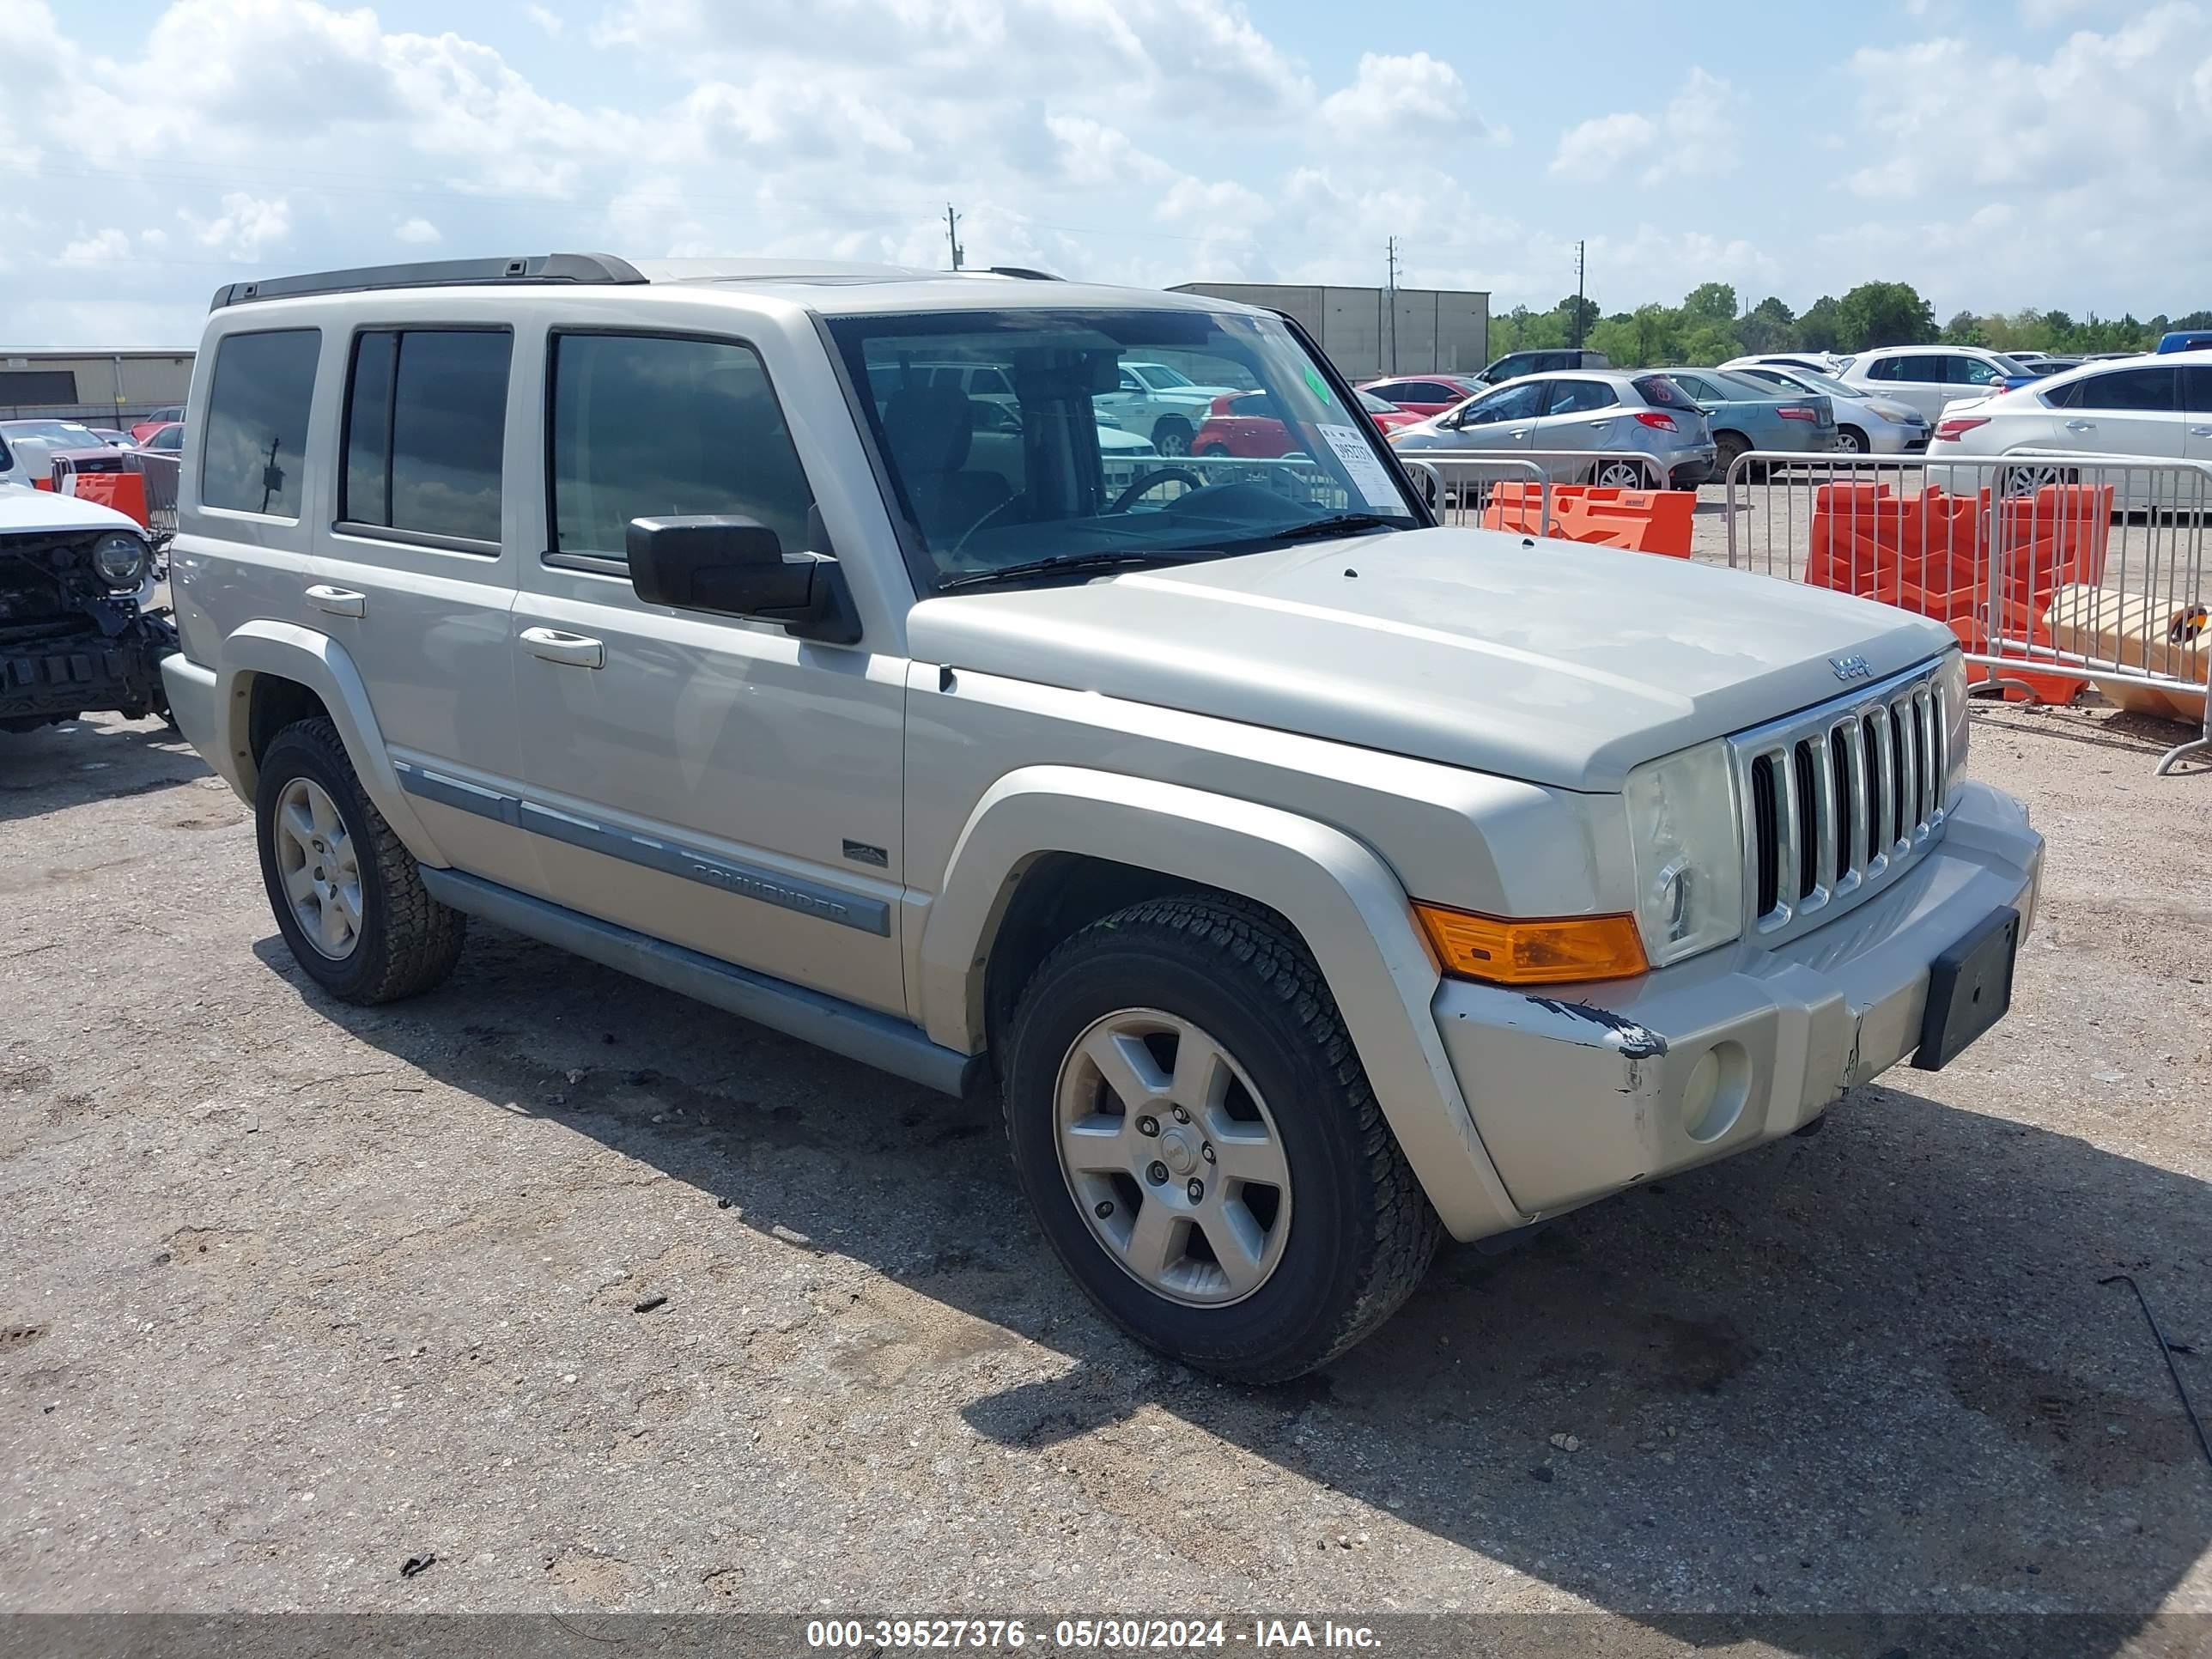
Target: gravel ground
[{"x": 297, "y": 1291}]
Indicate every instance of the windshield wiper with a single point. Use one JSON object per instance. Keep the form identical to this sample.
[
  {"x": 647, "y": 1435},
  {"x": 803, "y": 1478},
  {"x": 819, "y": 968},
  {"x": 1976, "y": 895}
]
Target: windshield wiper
[
  {"x": 1341, "y": 523},
  {"x": 1064, "y": 563}
]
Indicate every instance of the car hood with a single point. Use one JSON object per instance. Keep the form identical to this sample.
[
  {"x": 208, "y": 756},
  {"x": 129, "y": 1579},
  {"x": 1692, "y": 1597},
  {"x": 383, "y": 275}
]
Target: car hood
[
  {"x": 23, "y": 509},
  {"x": 1553, "y": 662}
]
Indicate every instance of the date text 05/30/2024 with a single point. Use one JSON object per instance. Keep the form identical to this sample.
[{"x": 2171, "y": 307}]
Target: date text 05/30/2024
[{"x": 1084, "y": 1635}]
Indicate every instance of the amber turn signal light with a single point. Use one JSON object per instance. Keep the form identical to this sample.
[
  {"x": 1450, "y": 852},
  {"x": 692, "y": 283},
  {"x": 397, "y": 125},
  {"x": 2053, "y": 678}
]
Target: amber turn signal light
[{"x": 1556, "y": 952}]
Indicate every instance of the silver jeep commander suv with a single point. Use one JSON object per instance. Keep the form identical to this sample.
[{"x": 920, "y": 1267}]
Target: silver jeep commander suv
[{"x": 1314, "y": 880}]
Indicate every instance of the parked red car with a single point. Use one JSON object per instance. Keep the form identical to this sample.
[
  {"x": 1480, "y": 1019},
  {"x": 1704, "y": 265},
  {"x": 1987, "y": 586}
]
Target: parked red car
[
  {"x": 141, "y": 430},
  {"x": 1243, "y": 424},
  {"x": 1423, "y": 395}
]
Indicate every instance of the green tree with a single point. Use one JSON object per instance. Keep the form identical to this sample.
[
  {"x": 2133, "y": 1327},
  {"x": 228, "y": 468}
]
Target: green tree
[
  {"x": 1821, "y": 327},
  {"x": 1770, "y": 326},
  {"x": 1711, "y": 302},
  {"x": 1964, "y": 329},
  {"x": 1885, "y": 314},
  {"x": 1566, "y": 310},
  {"x": 1707, "y": 343},
  {"x": 1616, "y": 338}
]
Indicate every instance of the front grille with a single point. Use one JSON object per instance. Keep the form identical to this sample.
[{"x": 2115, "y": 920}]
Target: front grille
[{"x": 1840, "y": 799}]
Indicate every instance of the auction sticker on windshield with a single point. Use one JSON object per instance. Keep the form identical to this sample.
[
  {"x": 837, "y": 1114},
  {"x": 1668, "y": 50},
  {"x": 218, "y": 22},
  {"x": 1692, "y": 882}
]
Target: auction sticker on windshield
[{"x": 1368, "y": 472}]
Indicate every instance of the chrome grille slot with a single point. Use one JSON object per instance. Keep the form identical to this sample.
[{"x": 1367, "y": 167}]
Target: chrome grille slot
[{"x": 1838, "y": 800}]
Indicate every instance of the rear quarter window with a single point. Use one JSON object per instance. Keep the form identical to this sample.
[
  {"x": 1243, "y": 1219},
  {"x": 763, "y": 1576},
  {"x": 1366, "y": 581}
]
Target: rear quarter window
[
  {"x": 253, "y": 459},
  {"x": 1661, "y": 392}
]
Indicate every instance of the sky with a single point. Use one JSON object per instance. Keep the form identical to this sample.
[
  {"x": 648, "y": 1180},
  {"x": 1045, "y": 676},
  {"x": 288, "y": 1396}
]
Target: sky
[{"x": 1994, "y": 154}]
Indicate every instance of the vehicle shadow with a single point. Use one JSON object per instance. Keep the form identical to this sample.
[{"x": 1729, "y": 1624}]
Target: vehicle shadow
[
  {"x": 81, "y": 761},
  {"x": 1867, "y": 1371}
]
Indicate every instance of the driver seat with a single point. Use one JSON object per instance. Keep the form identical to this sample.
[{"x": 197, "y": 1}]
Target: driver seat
[{"x": 928, "y": 430}]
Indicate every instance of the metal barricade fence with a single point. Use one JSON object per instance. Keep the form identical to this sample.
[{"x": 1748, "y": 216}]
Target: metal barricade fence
[
  {"x": 2053, "y": 568},
  {"x": 162, "y": 472},
  {"x": 1459, "y": 483}
]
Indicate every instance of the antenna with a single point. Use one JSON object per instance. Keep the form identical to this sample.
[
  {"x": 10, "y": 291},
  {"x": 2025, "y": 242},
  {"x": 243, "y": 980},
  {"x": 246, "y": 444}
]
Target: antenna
[{"x": 952, "y": 235}]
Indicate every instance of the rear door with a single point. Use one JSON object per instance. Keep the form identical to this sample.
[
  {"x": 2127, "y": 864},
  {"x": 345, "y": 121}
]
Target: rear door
[
  {"x": 1923, "y": 380},
  {"x": 2125, "y": 411},
  {"x": 1581, "y": 414},
  {"x": 417, "y": 572},
  {"x": 2197, "y": 406}
]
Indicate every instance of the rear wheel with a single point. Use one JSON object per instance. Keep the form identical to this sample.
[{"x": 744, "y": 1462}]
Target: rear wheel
[
  {"x": 2026, "y": 479},
  {"x": 1171, "y": 435},
  {"x": 1620, "y": 475},
  {"x": 1210, "y": 450},
  {"x": 346, "y": 895},
  {"x": 1194, "y": 1129},
  {"x": 1729, "y": 448}
]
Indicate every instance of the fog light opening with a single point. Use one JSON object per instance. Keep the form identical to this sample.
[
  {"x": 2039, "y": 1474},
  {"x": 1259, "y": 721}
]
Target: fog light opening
[{"x": 1714, "y": 1093}]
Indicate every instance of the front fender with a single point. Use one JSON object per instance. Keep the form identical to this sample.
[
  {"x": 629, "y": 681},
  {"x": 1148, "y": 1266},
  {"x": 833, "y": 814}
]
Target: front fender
[
  {"x": 1344, "y": 902},
  {"x": 286, "y": 650}
]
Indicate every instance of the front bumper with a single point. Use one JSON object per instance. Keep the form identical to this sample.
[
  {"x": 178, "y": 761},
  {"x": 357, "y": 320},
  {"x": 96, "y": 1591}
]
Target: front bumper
[
  {"x": 116, "y": 668},
  {"x": 1589, "y": 1090}
]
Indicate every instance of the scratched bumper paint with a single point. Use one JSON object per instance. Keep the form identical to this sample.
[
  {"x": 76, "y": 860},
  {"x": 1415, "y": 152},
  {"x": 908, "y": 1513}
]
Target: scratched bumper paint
[{"x": 1583, "y": 1092}]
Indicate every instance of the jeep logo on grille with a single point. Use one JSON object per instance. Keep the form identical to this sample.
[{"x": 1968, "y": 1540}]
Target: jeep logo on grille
[{"x": 1852, "y": 668}]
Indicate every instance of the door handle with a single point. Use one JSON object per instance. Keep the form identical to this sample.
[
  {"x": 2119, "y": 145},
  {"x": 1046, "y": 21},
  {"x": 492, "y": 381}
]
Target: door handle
[
  {"x": 2200, "y": 431},
  {"x": 1602, "y": 419},
  {"x": 574, "y": 649},
  {"x": 338, "y": 601},
  {"x": 2081, "y": 426},
  {"x": 1520, "y": 432}
]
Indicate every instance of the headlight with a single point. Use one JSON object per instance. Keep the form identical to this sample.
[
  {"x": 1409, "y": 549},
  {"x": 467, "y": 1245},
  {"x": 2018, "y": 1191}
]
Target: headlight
[
  {"x": 1688, "y": 842},
  {"x": 120, "y": 560},
  {"x": 1951, "y": 689}
]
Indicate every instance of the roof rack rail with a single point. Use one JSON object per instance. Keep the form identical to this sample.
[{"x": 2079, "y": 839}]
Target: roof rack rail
[
  {"x": 434, "y": 273},
  {"x": 1025, "y": 273}
]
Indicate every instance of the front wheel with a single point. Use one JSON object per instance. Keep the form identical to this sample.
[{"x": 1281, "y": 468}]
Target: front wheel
[
  {"x": 347, "y": 895},
  {"x": 1849, "y": 441},
  {"x": 1198, "y": 1140}
]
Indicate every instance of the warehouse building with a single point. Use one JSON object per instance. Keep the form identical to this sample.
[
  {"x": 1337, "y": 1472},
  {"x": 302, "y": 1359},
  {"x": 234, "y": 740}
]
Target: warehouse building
[
  {"x": 1435, "y": 329},
  {"x": 102, "y": 388}
]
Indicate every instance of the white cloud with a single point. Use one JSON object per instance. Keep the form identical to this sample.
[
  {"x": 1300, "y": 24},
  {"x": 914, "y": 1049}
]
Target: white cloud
[
  {"x": 418, "y": 232},
  {"x": 552, "y": 21},
  {"x": 1695, "y": 136},
  {"x": 1391, "y": 94},
  {"x": 100, "y": 249},
  {"x": 247, "y": 227}
]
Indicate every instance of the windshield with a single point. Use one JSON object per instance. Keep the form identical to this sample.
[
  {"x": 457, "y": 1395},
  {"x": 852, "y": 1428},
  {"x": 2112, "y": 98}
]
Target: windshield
[
  {"x": 984, "y": 493},
  {"x": 1375, "y": 405},
  {"x": 1158, "y": 374}
]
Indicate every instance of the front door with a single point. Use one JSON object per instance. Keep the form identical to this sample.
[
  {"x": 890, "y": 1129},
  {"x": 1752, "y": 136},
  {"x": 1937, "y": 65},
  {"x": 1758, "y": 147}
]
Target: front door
[{"x": 707, "y": 780}]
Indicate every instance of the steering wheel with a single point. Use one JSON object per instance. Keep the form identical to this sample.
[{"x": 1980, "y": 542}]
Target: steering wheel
[{"x": 1144, "y": 481}]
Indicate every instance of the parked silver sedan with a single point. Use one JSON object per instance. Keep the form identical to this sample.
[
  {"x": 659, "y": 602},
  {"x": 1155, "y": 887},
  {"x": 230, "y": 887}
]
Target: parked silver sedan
[
  {"x": 1639, "y": 430},
  {"x": 1864, "y": 425}
]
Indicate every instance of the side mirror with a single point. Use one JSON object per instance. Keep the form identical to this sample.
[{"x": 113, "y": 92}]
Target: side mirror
[{"x": 737, "y": 567}]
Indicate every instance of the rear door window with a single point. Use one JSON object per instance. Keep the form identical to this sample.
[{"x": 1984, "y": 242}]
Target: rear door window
[
  {"x": 2196, "y": 390},
  {"x": 253, "y": 458},
  {"x": 1575, "y": 396},
  {"x": 1923, "y": 371},
  {"x": 426, "y": 433},
  {"x": 2143, "y": 390}
]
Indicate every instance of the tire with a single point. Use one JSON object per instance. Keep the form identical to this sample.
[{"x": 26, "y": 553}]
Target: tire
[
  {"x": 1211, "y": 451},
  {"x": 1728, "y": 448},
  {"x": 1849, "y": 441},
  {"x": 402, "y": 940},
  {"x": 1171, "y": 435},
  {"x": 1620, "y": 475},
  {"x": 1348, "y": 1233},
  {"x": 2016, "y": 482}
]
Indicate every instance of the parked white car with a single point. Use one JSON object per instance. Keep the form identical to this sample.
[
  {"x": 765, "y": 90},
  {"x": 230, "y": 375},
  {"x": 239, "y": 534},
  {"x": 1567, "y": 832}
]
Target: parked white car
[
  {"x": 1819, "y": 362},
  {"x": 2157, "y": 407},
  {"x": 1162, "y": 405},
  {"x": 1315, "y": 880},
  {"x": 1864, "y": 425},
  {"x": 1928, "y": 377}
]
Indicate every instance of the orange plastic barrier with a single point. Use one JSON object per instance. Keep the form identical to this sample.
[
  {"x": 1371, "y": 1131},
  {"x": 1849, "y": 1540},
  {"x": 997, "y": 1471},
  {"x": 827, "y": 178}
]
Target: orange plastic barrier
[
  {"x": 1933, "y": 553},
  {"x": 1637, "y": 520},
  {"x": 124, "y": 491}
]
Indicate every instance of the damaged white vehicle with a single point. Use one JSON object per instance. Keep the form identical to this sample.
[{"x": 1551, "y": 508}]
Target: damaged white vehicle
[{"x": 1312, "y": 880}]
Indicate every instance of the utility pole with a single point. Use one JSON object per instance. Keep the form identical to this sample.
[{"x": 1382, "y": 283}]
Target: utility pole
[
  {"x": 1578, "y": 295},
  {"x": 952, "y": 234},
  {"x": 1390, "y": 293}
]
